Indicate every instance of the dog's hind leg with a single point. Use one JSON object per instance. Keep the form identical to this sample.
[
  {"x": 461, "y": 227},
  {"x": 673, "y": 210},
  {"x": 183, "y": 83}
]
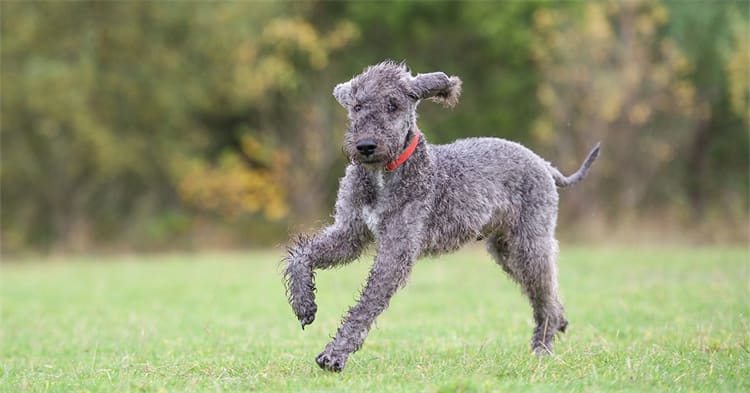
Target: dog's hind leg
[
  {"x": 497, "y": 246},
  {"x": 531, "y": 262}
]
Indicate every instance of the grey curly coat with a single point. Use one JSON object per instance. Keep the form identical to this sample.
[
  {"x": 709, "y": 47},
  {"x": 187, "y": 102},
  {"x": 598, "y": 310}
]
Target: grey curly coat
[{"x": 439, "y": 198}]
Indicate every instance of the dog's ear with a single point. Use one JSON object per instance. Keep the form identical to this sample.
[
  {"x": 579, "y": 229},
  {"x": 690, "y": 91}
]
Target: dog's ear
[
  {"x": 438, "y": 87},
  {"x": 342, "y": 92}
]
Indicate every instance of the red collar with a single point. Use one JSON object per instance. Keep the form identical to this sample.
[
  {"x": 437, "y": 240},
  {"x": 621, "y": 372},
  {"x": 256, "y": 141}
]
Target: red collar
[{"x": 405, "y": 155}]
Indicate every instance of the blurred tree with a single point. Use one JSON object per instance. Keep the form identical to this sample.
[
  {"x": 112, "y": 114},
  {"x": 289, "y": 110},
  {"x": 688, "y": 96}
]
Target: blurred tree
[
  {"x": 265, "y": 111},
  {"x": 612, "y": 73},
  {"x": 77, "y": 121},
  {"x": 117, "y": 114},
  {"x": 716, "y": 41},
  {"x": 136, "y": 123}
]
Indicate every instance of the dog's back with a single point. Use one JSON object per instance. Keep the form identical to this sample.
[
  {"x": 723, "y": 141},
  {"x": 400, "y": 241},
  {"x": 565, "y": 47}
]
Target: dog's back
[{"x": 481, "y": 186}]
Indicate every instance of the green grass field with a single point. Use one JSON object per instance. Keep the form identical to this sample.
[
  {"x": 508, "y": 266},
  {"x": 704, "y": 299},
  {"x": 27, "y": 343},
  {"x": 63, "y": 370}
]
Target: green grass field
[{"x": 659, "y": 319}]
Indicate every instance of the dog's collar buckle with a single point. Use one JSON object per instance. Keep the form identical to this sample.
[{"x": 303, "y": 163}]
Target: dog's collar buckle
[{"x": 405, "y": 155}]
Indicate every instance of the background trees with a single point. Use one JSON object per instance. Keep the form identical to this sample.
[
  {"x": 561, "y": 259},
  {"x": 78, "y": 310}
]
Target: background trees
[{"x": 152, "y": 125}]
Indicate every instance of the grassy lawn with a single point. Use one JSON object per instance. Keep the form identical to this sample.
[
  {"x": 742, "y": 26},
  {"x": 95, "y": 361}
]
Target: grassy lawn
[{"x": 665, "y": 319}]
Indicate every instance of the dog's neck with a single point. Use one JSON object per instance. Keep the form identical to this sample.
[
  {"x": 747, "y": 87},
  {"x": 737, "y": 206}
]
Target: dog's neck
[
  {"x": 410, "y": 181},
  {"x": 416, "y": 166},
  {"x": 410, "y": 144}
]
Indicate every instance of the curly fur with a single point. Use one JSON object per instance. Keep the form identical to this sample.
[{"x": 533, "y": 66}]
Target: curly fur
[
  {"x": 448, "y": 97},
  {"x": 442, "y": 197}
]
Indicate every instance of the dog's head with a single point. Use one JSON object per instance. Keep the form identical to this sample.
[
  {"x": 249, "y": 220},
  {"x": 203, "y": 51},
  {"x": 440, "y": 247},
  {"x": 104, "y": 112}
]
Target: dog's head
[{"x": 382, "y": 103}]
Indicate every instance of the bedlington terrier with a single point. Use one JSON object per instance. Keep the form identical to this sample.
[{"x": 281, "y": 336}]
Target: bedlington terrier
[{"x": 414, "y": 199}]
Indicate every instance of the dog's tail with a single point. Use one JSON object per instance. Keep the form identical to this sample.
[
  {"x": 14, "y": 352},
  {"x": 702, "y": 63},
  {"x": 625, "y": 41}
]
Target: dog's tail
[{"x": 563, "y": 181}]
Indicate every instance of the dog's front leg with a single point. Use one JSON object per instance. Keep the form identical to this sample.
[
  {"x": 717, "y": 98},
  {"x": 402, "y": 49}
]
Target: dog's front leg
[
  {"x": 336, "y": 244},
  {"x": 397, "y": 248},
  {"x": 339, "y": 243}
]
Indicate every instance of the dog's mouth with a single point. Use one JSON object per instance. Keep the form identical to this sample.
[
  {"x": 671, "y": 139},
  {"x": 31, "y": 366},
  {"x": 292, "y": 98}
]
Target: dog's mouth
[
  {"x": 371, "y": 160},
  {"x": 376, "y": 153}
]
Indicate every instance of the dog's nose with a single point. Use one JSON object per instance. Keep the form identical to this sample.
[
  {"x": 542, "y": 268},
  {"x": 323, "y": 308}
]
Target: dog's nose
[{"x": 366, "y": 147}]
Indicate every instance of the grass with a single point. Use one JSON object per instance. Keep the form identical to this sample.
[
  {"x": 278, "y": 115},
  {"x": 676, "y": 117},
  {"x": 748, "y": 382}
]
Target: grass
[{"x": 664, "y": 319}]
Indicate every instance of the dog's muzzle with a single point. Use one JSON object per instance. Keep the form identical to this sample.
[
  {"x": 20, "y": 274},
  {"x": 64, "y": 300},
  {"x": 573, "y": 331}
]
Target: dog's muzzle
[{"x": 366, "y": 147}]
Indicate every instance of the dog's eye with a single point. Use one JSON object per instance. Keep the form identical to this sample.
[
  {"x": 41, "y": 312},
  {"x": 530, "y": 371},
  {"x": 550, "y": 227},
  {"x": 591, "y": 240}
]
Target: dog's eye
[
  {"x": 392, "y": 107},
  {"x": 357, "y": 108}
]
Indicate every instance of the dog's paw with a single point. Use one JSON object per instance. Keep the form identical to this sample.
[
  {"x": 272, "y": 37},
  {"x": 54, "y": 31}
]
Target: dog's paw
[
  {"x": 331, "y": 361},
  {"x": 542, "y": 340},
  {"x": 305, "y": 313},
  {"x": 540, "y": 349}
]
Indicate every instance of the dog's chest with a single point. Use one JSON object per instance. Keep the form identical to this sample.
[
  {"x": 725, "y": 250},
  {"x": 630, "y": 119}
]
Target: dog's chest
[
  {"x": 370, "y": 211},
  {"x": 371, "y": 217}
]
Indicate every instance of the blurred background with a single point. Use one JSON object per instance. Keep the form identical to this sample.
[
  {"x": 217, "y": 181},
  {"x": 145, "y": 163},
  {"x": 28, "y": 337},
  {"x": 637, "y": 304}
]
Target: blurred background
[{"x": 152, "y": 126}]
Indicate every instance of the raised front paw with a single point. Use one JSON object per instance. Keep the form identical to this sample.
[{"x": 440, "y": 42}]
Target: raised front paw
[
  {"x": 305, "y": 312},
  {"x": 300, "y": 289},
  {"x": 331, "y": 361}
]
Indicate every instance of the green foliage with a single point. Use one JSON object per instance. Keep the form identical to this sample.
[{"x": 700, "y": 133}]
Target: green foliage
[
  {"x": 610, "y": 75},
  {"x": 106, "y": 123},
  {"x": 118, "y": 117},
  {"x": 656, "y": 320},
  {"x": 714, "y": 38}
]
